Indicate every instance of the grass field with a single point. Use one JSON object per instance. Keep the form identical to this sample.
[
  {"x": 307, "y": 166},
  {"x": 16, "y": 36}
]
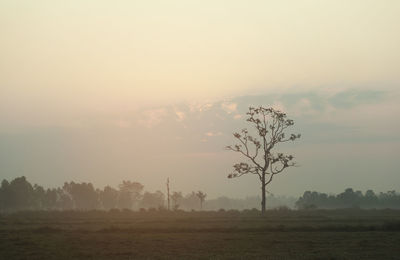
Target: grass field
[{"x": 281, "y": 234}]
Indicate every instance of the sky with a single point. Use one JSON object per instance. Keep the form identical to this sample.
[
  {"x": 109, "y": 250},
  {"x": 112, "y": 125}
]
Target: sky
[{"x": 105, "y": 91}]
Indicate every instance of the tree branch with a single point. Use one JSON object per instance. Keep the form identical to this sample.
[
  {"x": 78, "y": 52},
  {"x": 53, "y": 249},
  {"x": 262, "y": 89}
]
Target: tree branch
[
  {"x": 270, "y": 125},
  {"x": 238, "y": 148}
]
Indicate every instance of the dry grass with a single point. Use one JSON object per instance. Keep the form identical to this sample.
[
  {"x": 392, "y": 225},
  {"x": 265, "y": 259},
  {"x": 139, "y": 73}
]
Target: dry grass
[{"x": 351, "y": 234}]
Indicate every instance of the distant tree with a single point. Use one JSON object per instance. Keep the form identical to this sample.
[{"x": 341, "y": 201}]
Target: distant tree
[
  {"x": 190, "y": 201},
  {"x": 370, "y": 199},
  {"x": 83, "y": 195},
  {"x": 390, "y": 199},
  {"x": 312, "y": 200},
  {"x": 108, "y": 197},
  {"x": 176, "y": 197},
  {"x": 349, "y": 198},
  {"x": 129, "y": 194},
  {"x": 5, "y": 195},
  {"x": 64, "y": 200},
  {"x": 152, "y": 200},
  {"x": 202, "y": 196},
  {"x": 21, "y": 194},
  {"x": 38, "y": 196},
  {"x": 270, "y": 126},
  {"x": 51, "y": 199}
]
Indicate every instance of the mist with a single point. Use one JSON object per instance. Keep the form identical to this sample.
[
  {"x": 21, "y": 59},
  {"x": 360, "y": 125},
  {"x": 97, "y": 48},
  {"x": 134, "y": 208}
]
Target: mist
[
  {"x": 142, "y": 91},
  {"x": 186, "y": 143}
]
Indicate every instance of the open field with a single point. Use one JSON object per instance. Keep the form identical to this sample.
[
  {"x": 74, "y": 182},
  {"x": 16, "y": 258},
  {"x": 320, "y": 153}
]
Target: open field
[{"x": 281, "y": 234}]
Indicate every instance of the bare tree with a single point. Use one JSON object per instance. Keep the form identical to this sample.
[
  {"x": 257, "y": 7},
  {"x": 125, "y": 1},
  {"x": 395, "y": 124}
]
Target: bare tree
[
  {"x": 202, "y": 196},
  {"x": 168, "y": 194},
  {"x": 270, "y": 126}
]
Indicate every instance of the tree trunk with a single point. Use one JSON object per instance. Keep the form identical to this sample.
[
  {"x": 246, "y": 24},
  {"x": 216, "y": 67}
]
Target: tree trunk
[
  {"x": 263, "y": 202},
  {"x": 168, "y": 191}
]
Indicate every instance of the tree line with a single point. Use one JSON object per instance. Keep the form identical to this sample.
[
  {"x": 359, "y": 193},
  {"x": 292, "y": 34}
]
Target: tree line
[
  {"x": 19, "y": 194},
  {"x": 349, "y": 199}
]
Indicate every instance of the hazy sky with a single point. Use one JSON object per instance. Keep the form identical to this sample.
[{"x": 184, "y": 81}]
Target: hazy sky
[{"x": 102, "y": 91}]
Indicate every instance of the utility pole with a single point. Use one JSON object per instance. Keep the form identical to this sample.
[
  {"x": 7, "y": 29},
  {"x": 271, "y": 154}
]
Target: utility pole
[{"x": 168, "y": 192}]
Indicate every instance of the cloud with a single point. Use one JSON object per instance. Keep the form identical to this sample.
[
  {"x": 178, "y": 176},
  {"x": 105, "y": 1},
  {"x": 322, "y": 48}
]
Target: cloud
[
  {"x": 279, "y": 106},
  {"x": 313, "y": 102},
  {"x": 180, "y": 115},
  {"x": 200, "y": 107},
  {"x": 229, "y": 107},
  {"x": 304, "y": 107},
  {"x": 352, "y": 98},
  {"x": 152, "y": 117},
  {"x": 211, "y": 134}
]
